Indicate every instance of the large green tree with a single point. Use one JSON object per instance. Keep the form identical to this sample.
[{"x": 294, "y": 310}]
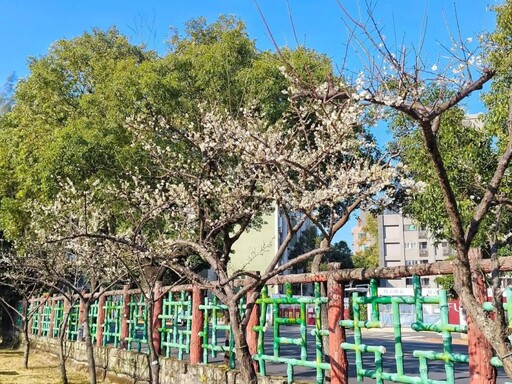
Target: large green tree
[{"x": 68, "y": 121}]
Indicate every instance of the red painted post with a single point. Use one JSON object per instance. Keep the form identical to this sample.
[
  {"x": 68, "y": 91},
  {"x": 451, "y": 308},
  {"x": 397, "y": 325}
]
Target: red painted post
[
  {"x": 66, "y": 308},
  {"x": 81, "y": 312},
  {"x": 125, "y": 316},
  {"x": 52, "y": 318},
  {"x": 338, "y": 357},
  {"x": 252, "y": 336},
  {"x": 196, "y": 342},
  {"x": 81, "y": 318},
  {"x": 40, "y": 310},
  {"x": 100, "y": 320},
  {"x": 157, "y": 311},
  {"x": 479, "y": 349}
]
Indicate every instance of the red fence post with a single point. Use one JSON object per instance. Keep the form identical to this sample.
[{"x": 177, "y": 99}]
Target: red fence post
[
  {"x": 52, "y": 318},
  {"x": 157, "y": 322},
  {"x": 125, "y": 316},
  {"x": 66, "y": 308},
  {"x": 100, "y": 320},
  {"x": 196, "y": 342},
  {"x": 338, "y": 357},
  {"x": 40, "y": 310},
  {"x": 81, "y": 318},
  {"x": 479, "y": 349},
  {"x": 251, "y": 335}
]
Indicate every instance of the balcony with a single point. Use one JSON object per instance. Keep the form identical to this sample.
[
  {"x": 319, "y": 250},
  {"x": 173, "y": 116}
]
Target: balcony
[{"x": 424, "y": 252}]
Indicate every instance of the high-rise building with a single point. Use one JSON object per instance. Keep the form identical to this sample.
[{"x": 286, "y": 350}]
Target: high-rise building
[{"x": 401, "y": 241}]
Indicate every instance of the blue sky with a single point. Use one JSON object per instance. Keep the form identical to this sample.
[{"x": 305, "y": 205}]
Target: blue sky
[{"x": 29, "y": 27}]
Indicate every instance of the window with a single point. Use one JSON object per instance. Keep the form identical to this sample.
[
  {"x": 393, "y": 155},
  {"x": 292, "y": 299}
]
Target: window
[
  {"x": 410, "y": 245},
  {"x": 412, "y": 262},
  {"x": 425, "y": 281},
  {"x": 408, "y": 281},
  {"x": 410, "y": 227},
  {"x": 423, "y": 245},
  {"x": 424, "y": 261},
  {"x": 361, "y": 235}
]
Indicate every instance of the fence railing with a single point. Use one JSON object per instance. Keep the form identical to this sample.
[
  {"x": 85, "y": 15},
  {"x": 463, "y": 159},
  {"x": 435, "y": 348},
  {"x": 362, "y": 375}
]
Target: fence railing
[{"x": 193, "y": 326}]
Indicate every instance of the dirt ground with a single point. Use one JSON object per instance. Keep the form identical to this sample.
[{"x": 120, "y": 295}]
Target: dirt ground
[{"x": 43, "y": 369}]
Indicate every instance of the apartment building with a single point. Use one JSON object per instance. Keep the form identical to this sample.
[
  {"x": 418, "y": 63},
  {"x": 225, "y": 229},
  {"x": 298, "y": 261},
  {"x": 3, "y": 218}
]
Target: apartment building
[
  {"x": 257, "y": 247},
  {"x": 401, "y": 241}
]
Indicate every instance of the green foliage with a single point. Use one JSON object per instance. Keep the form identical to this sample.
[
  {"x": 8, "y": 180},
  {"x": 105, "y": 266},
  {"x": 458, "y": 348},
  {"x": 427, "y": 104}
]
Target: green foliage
[
  {"x": 68, "y": 121},
  {"x": 310, "y": 240},
  {"x": 6, "y": 95},
  {"x": 369, "y": 256},
  {"x": 447, "y": 283},
  {"x": 470, "y": 149},
  {"x": 470, "y": 156},
  {"x": 71, "y": 112}
]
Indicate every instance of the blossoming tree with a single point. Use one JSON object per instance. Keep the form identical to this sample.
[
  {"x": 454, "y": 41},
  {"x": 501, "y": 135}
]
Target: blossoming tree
[
  {"x": 213, "y": 176},
  {"x": 425, "y": 97}
]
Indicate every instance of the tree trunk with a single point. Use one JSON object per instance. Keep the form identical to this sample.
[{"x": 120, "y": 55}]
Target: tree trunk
[
  {"x": 154, "y": 358},
  {"x": 463, "y": 287},
  {"x": 26, "y": 352},
  {"x": 62, "y": 345},
  {"x": 480, "y": 350},
  {"x": 88, "y": 344},
  {"x": 62, "y": 358},
  {"x": 243, "y": 356}
]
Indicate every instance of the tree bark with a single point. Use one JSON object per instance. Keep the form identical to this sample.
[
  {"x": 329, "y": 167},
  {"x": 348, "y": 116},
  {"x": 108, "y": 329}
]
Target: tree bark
[
  {"x": 88, "y": 344},
  {"x": 26, "y": 352},
  {"x": 243, "y": 355},
  {"x": 154, "y": 358},
  {"x": 480, "y": 350},
  {"x": 62, "y": 343},
  {"x": 463, "y": 287}
]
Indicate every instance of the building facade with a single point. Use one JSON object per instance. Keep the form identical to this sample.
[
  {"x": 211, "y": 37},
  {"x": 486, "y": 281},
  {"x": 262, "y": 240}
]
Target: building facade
[
  {"x": 257, "y": 247},
  {"x": 401, "y": 241}
]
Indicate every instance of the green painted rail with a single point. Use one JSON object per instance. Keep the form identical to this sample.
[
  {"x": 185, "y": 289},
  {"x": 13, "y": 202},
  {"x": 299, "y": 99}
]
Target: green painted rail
[
  {"x": 215, "y": 328},
  {"x": 73, "y": 326},
  {"x": 301, "y": 341},
  {"x": 45, "y": 319},
  {"x": 113, "y": 308},
  {"x": 176, "y": 320},
  {"x": 58, "y": 317},
  {"x": 36, "y": 317},
  {"x": 137, "y": 323},
  {"x": 305, "y": 319}
]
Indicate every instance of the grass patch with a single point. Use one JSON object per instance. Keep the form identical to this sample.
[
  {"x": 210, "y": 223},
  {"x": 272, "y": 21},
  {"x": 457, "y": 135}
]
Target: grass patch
[{"x": 43, "y": 369}]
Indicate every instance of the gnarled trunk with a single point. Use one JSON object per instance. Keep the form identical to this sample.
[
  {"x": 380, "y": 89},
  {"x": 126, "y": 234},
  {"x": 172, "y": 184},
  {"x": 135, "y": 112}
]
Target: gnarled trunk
[
  {"x": 243, "y": 356},
  {"x": 463, "y": 287},
  {"x": 479, "y": 349}
]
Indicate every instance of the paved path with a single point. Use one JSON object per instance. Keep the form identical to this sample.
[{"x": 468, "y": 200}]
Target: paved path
[{"x": 411, "y": 341}]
